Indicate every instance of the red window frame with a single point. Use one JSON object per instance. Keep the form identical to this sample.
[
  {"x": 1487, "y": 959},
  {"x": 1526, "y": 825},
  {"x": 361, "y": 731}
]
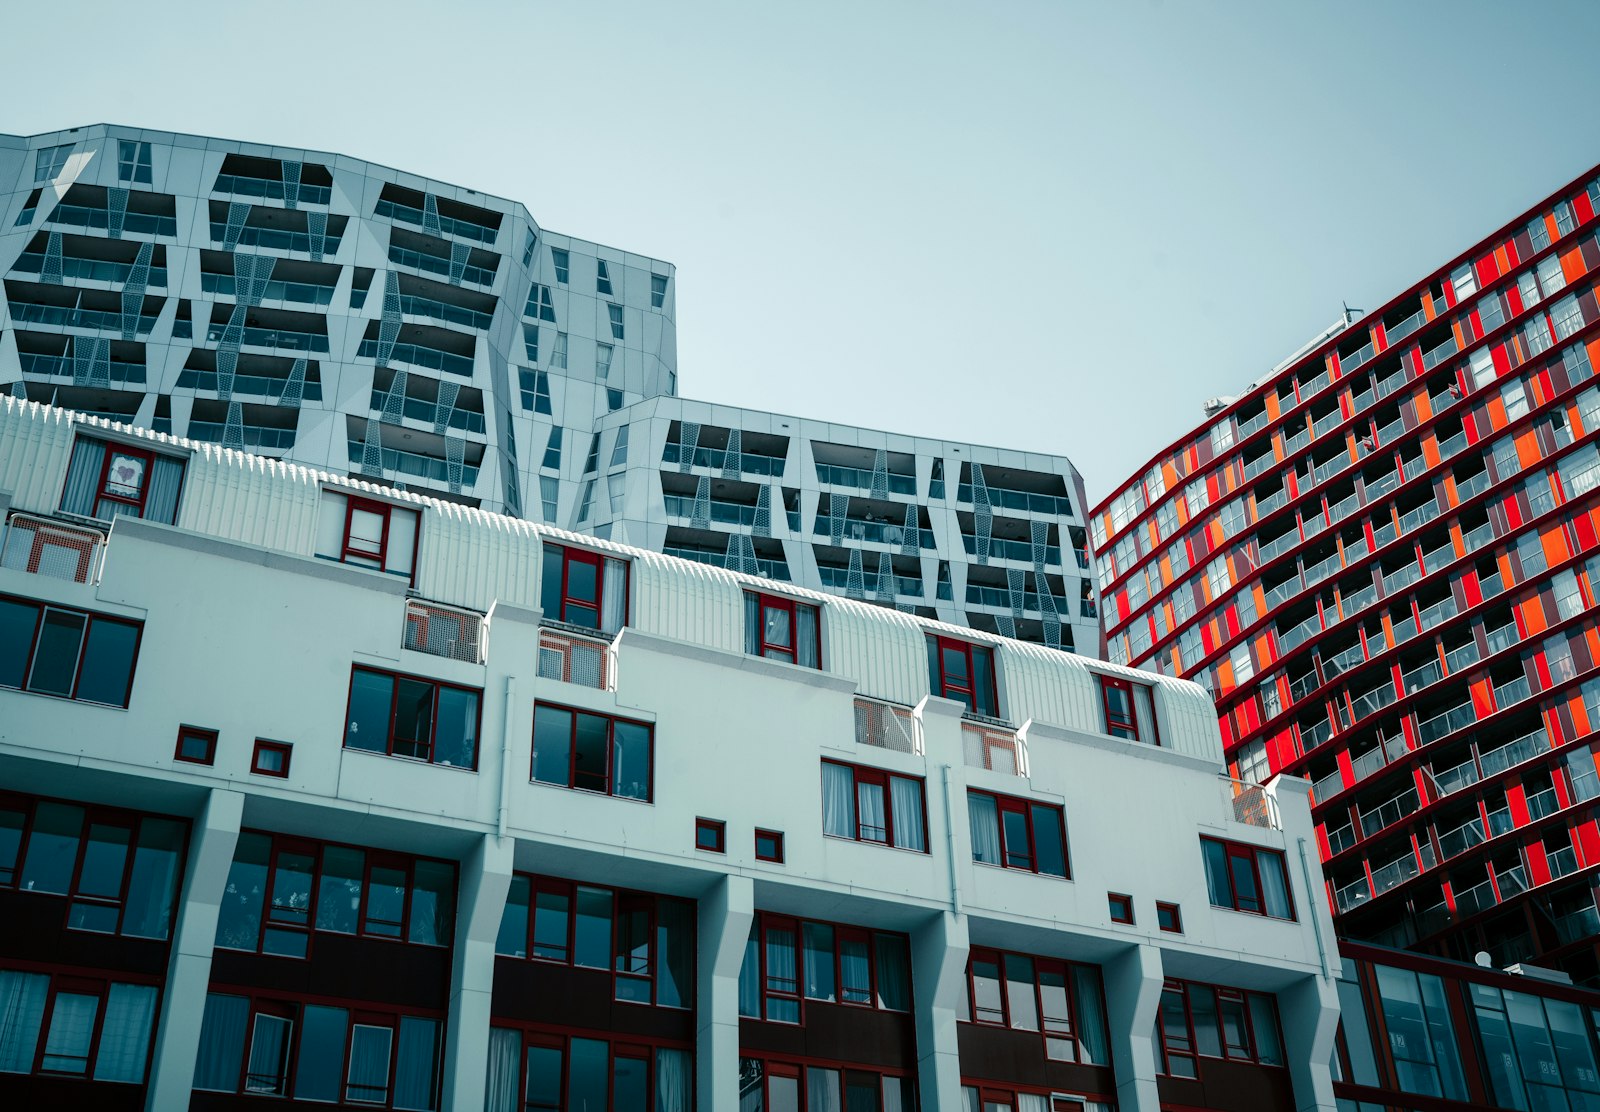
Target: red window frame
[
  {"x": 611, "y": 750},
  {"x": 1121, "y": 907},
  {"x": 207, "y": 738},
  {"x": 840, "y": 931},
  {"x": 1028, "y": 860},
  {"x": 1240, "y": 854},
  {"x": 433, "y": 724},
  {"x": 773, "y": 850},
  {"x": 349, "y": 549},
  {"x": 284, "y": 749},
  {"x": 1232, "y": 1052},
  {"x": 1169, "y": 917},
  {"x": 89, "y": 617},
  {"x": 103, "y": 486},
  {"x": 792, "y": 607},
  {"x": 1119, "y": 724},
  {"x": 630, "y": 1047},
  {"x": 74, "y": 986},
  {"x": 597, "y": 560},
  {"x": 795, "y": 995},
  {"x": 880, "y": 778},
  {"x": 712, "y": 831},
  {"x": 796, "y": 1068},
  {"x": 946, "y": 688},
  {"x": 1048, "y": 1034}
]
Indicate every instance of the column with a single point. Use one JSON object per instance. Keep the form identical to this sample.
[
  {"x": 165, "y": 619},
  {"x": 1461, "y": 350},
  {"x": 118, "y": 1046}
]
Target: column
[
  {"x": 724, "y": 915},
  {"x": 1309, "y": 1010},
  {"x": 1133, "y": 981},
  {"x": 485, "y": 880},
  {"x": 183, "y": 999},
  {"x": 938, "y": 985}
]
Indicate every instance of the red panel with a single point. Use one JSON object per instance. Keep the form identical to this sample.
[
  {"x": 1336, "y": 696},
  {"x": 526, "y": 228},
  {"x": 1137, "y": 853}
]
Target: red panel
[
  {"x": 1513, "y": 304},
  {"x": 1483, "y": 697},
  {"x": 1517, "y": 804},
  {"x": 1487, "y": 270},
  {"x": 1582, "y": 209},
  {"x": 1380, "y": 337},
  {"x": 1587, "y": 836},
  {"x": 1538, "y": 865}
]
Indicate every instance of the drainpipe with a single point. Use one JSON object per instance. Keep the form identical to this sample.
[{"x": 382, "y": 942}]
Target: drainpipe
[
  {"x": 505, "y": 757},
  {"x": 950, "y": 841},
  {"x": 1316, "y": 924}
]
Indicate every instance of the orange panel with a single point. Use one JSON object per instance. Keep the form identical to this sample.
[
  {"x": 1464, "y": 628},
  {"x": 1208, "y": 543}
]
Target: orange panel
[
  {"x": 1273, "y": 410},
  {"x": 1555, "y": 545},
  {"x": 1483, "y": 697},
  {"x": 1528, "y": 453},
  {"x": 1461, "y": 341},
  {"x": 1428, "y": 311},
  {"x": 1430, "y": 450},
  {"x": 1532, "y": 615},
  {"x": 1502, "y": 261}
]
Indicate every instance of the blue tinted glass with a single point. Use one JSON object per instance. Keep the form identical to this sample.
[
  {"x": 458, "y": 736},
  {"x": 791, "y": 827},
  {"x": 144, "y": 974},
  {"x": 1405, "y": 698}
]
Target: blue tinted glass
[
  {"x": 107, "y": 670},
  {"x": 322, "y": 1039},
  {"x": 18, "y": 621},
  {"x": 593, "y": 944},
  {"x": 55, "y": 661},
  {"x": 552, "y": 746},
  {"x": 370, "y": 697},
  {"x": 587, "y": 1074},
  {"x": 52, "y": 848}
]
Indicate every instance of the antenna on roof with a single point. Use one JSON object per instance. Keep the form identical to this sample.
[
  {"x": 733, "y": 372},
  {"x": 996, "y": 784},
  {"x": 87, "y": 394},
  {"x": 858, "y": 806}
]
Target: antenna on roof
[{"x": 1349, "y": 313}]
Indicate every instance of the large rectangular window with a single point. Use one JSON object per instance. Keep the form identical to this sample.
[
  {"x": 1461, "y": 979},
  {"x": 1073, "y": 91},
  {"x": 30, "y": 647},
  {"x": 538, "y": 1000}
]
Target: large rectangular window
[
  {"x": 1247, "y": 878},
  {"x": 367, "y": 533},
  {"x": 282, "y": 890},
  {"x": 782, "y": 629},
  {"x": 51, "y": 650},
  {"x": 870, "y": 805},
  {"x": 647, "y": 941},
  {"x": 773, "y": 1085},
  {"x": 584, "y": 589},
  {"x": 538, "y": 1071},
  {"x": 1536, "y": 1049},
  {"x": 964, "y": 672},
  {"x": 1017, "y": 833},
  {"x": 788, "y": 961},
  {"x": 69, "y": 1026},
  {"x": 106, "y": 479},
  {"x": 326, "y": 1051},
  {"x": 592, "y": 752},
  {"x": 1062, "y": 1001},
  {"x": 1130, "y": 711},
  {"x": 407, "y": 716},
  {"x": 1208, "y": 1021}
]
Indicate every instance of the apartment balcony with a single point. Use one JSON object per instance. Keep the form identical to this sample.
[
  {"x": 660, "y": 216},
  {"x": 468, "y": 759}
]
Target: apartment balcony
[
  {"x": 447, "y": 631},
  {"x": 425, "y": 411},
  {"x": 242, "y": 185},
  {"x": 399, "y": 464},
  {"x": 719, "y": 513},
  {"x": 278, "y": 339},
  {"x": 1251, "y": 804},
  {"x": 861, "y": 478},
  {"x": 282, "y": 239},
  {"x": 873, "y": 532},
  {"x": 567, "y": 656},
  {"x": 716, "y": 459},
  {"x": 51, "y": 548},
  {"x": 89, "y": 270},
  {"x": 777, "y": 570},
  {"x": 300, "y": 293},
  {"x": 418, "y": 355},
  {"x": 119, "y": 373},
  {"x": 439, "y": 265},
  {"x": 450, "y": 226},
  {"x": 432, "y": 309},
  {"x": 1001, "y": 548},
  {"x": 1005, "y": 498},
  {"x": 133, "y": 223},
  {"x": 1000, "y": 599},
  {"x": 256, "y": 438},
  {"x": 887, "y": 726},
  {"x": 64, "y": 316},
  {"x": 839, "y": 579},
  {"x": 994, "y": 747}
]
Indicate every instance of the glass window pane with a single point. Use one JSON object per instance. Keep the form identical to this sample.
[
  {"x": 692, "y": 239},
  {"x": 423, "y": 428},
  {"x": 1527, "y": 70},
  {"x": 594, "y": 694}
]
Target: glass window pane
[
  {"x": 777, "y": 632},
  {"x": 1049, "y": 843},
  {"x": 321, "y": 1060},
  {"x": 986, "y": 1000},
  {"x": 1014, "y": 828},
  {"x": 630, "y": 1084},
  {"x": 125, "y": 1033},
  {"x": 386, "y": 901},
  {"x": 52, "y": 848},
  {"x": 221, "y": 1043},
  {"x": 1216, "y": 856},
  {"x": 512, "y": 940},
  {"x": 1020, "y": 993},
  {"x": 107, "y": 670},
  {"x": 368, "y": 1077},
  {"x": 1203, "y": 1010},
  {"x": 550, "y": 925},
  {"x": 632, "y": 763},
  {"x": 819, "y": 960},
  {"x": 1264, "y": 1022},
  {"x": 269, "y": 1055},
  {"x": 66, "y": 1047},
  {"x": 544, "y": 1078},
  {"x": 455, "y": 741},
  {"x": 983, "y": 682},
  {"x": 371, "y": 695},
  {"x": 433, "y": 892},
  {"x": 590, "y": 765},
  {"x": 153, "y": 886},
  {"x": 239, "y": 917},
  {"x": 18, "y": 622},
  {"x": 55, "y": 660},
  {"x": 1241, "y": 871},
  {"x": 339, "y": 890},
  {"x": 894, "y": 972},
  {"x": 11, "y": 823},
  {"x": 413, "y": 719},
  {"x": 593, "y": 944},
  {"x": 855, "y": 968},
  {"x": 1275, "y": 884},
  {"x": 675, "y": 946},
  {"x": 552, "y": 746},
  {"x": 588, "y": 1074},
  {"x": 105, "y": 857},
  {"x": 822, "y": 1090}
]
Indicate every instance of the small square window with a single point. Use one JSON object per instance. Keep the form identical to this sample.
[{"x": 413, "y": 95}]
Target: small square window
[
  {"x": 271, "y": 758},
  {"x": 1121, "y": 907},
  {"x": 769, "y": 846},
  {"x": 196, "y": 745},
  {"x": 1169, "y": 918},
  {"x": 711, "y": 835}
]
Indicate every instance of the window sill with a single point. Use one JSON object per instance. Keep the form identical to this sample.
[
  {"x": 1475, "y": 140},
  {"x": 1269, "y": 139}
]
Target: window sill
[
  {"x": 594, "y": 794},
  {"x": 63, "y": 698},
  {"x": 878, "y": 845},
  {"x": 1020, "y": 872},
  {"x": 1256, "y": 914},
  {"x": 409, "y": 760}
]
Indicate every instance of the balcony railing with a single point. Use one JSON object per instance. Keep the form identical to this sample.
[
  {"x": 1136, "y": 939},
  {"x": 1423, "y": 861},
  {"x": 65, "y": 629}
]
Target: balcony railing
[
  {"x": 750, "y": 463},
  {"x": 839, "y": 579},
  {"x": 861, "y": 478},
  {"x": 887, "y": 726},
  {"x": 994, "y": 748},
  {"x": 569, "y": 658},
  {"x": 62, "y": 316},
  {"x": 43, "y": 546},
  {"x": 283, "y": 339},
  {"x": 89, "y": 270},
  {"x": 433, "y": 264},
  {"x": 450, "y": 226},
  {"x": 305, "y": 293},
  {"x": 445, "y": 631},
  {"x": 1456, "y": 718},
  {"x": 1513, "y": 753},
  {"x": 1462, "y": 838},
  {"x": 1352, "y": 895},
  {"x": 63, "y": 366},
  {"x": 1251, "y": 804},
  {"x": 1341, "y": 839},
  {"x": 1000, "y": 597},
  {"x": 251, "y": 437},
  {"x": 725, "y": 513},
  {"x": 1003, "y": 498},
  {"x": 138, "y": 223},
  {"x": 1388, "y": 813},
  {"x": 1327, "y": 787},
  {"x": 419, "y": 356},
  {"x": 420, "y": 409},
  {"x": 768, "y": 569},
  {"x": 410, "y": 463},
  {"x": 878, "y": 532},
  {"x": 439, "y": 310},
  {"x": 240, "y": 185},
  {"x": 1002, "y": 549},
  {"x": 1398, "y": 871}
]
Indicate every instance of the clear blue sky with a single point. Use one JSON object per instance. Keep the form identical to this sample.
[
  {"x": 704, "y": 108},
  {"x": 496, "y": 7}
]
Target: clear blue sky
[{"x": 1050, "y": 226}]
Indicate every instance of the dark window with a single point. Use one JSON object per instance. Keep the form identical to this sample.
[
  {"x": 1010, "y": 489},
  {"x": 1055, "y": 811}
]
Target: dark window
[
  {"x": 106, "y": 479},
  {"x": 964, "y": 672},
  {"x": 1121, "y": 907},
  {"x": 658, "y": 290},
  {"x": 769, "y": 846},
  {"x": 591, "y": 752},
  {"x": 1210, "y": 1021},
  {"x": 53, "y": 651},
  {"x": 602, "y": 278},
  {"x": 133, "y": 162},
  {"x": 563, "y": 263},
  {"x": 1247, "y": 878},
  {"x": 647, "y": 941},
  {"x": 710, "y": 835},
  {"x": 1017, "y": 833},
  {"x": 553, "y": 1071},
  {"x": 196, "y": 745},
  {"x": 73, "y": 1026},
  {"x": 869, "y": 805},
  {"x": 583, "y": 588},
  {"x": 780, "y": 1086},
  {"x": 406, "y": 716},
  {"x": 782, "y": 629},
  {"x": 1129, "y": 710},
  {"x": 271, "y": 758},
  {"x": 1062, "y": 1001},
  {"x": 789, "y": 960},
  {"x": 1169, "y": 917},
  {"x": 119, "y": 869}
]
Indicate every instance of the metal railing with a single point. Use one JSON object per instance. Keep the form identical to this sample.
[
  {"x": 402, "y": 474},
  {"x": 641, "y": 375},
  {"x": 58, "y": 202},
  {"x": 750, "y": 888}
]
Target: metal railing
[
  {"x": 750, "y": 463},
  {"x": 43, "y": 546},
  {"x": 887, "y": 726},
  {"x": 445, "y": 631},
  {"x": 994, "y": 748},
  {"x": 1251, "y": 804},
  {"x": 861, "y": 478},
  {"x": 569, "y": 658}
]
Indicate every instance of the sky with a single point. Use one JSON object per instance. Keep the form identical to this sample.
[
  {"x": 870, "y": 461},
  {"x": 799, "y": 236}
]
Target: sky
[{"x": 1056, "y": 227}]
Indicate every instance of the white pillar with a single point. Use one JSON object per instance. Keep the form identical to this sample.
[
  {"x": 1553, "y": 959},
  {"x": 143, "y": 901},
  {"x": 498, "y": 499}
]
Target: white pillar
[
  {"x": 485, "y": 880},
  {"x": 1133, "y": 981},
  {"x": 939, "y": 985},
  {"x": 724, "y": 917},
  {"x": 183, "y": 1000},
  {"x": 1309, "y": 1010}
]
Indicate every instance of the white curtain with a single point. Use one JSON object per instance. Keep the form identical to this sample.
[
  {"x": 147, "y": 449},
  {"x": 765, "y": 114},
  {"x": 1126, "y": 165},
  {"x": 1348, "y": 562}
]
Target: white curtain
[
  {"x": 83, "y": 477},
  {"x": 838, "y": 801},
  {"x": 21, "y": 1011},
  {"x": 1274, "y": 888},
  {"x": 906, "y": 798},
  {"x": 166, "y": 479},
  {"x": 1091, "y": 1016},
  {"x": 985, "y": 825},
  {"x": 752, "y": 624},
  {"x": 672, "y": 1080},
  {"x": 1032, "y": 1102},
  {"x": 414, "y": 1067},
  {"x": 505, "y": 1052},
  {"x": 369, "y": 1063},
  {"x": 66, "y": 1046},
  {"x": 822, "y": 1090},
  {"x": 125, "y": 1036},
  {"x": 221, "y": 1043},
  {"x": 806, "y": 637},
  {"x": 869, "y": 803},
  {"x": 614, "y": 596}
]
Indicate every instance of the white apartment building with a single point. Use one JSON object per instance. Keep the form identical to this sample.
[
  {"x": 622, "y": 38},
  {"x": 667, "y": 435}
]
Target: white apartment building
[
  {"x": 318, "y": 790},
  {"x": 422, "y": 336}
]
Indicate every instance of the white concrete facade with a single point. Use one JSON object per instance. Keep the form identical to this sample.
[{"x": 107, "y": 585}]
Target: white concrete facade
[
  {"x": 364, "y": 321},
  {"x": 246, "y": 630}
]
